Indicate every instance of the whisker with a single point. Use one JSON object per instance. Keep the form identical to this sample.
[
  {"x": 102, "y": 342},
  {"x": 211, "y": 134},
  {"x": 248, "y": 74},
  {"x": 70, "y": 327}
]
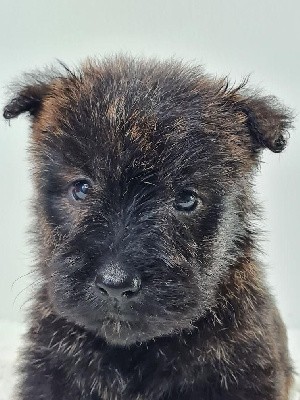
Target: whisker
[
  {"x": 24, "y": 289},
  {"x": 20, "y": 277}
]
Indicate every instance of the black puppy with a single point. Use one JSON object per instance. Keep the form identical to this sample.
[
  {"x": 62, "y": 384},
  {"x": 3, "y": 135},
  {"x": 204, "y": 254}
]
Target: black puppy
[{"x": 143, "y": 204}]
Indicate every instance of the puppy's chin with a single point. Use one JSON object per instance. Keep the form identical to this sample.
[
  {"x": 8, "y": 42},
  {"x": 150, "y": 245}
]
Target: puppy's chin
[
  {"x": 119, "y": 332},
  {"x": 126, "y": 333}
]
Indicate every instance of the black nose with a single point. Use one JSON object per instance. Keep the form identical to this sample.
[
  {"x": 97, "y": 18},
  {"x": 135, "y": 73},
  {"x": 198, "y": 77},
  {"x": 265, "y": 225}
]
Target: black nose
[{"x": 113, "y": 281}]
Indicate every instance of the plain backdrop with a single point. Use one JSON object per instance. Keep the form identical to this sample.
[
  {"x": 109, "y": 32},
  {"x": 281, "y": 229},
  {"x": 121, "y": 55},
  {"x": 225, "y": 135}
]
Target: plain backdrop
[{"x": 234, "y": 37}]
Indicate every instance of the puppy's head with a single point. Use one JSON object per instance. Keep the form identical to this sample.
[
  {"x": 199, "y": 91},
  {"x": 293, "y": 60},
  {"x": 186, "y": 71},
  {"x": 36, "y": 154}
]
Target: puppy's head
[{"x": 142, "y": 174}]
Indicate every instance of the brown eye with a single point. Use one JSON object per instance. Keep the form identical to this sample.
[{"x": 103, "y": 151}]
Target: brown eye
[
  {"x": 79, "y": 190},
  {"x": 186, "y": 200}
]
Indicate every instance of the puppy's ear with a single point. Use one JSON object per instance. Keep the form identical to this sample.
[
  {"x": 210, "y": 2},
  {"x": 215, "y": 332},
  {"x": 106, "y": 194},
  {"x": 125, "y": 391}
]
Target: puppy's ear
[
  {"x": 268, "y": 122},
  {"x": 28, "y": 98}
]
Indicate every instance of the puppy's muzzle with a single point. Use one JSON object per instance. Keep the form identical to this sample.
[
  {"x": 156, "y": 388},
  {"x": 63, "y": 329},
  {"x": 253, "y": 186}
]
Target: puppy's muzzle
[{"x": 114, "y": 281}]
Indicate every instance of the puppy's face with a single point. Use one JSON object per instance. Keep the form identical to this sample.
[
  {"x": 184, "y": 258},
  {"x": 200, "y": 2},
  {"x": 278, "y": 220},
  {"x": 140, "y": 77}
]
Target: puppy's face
[{"x": 141, "y": 173}]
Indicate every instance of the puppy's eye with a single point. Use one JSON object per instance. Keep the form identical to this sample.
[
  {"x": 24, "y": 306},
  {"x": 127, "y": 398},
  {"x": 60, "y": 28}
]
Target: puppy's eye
[
  {"x": 186, "y": 200},
  {"x": 79, "y": 190}
]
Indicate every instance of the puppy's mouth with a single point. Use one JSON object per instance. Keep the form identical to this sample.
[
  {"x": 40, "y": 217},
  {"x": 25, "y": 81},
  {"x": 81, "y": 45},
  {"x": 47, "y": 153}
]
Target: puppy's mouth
[
  {"x": 118, "y": 317},
  {"x": 116, "y": 312}
]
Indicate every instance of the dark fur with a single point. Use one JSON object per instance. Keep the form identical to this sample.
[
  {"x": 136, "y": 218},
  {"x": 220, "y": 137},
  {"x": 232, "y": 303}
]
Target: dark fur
[{"x": 204, "y": 325}]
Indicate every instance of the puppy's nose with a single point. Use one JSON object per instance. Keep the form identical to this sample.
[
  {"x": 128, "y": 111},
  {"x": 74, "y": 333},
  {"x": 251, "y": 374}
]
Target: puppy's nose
[{"x": 113, "y": 281}]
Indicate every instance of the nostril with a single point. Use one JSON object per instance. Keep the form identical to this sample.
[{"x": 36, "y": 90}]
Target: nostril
[
  {"x": 100, "y": 286},
  {"x": 128, "y": 293},
  {"x": 135, "y": 286},
  {"x": 102, "y": 290}
]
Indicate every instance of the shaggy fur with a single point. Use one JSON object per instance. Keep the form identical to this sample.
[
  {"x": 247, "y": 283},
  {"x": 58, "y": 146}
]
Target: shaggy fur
[{"x": 143, "y": 178}]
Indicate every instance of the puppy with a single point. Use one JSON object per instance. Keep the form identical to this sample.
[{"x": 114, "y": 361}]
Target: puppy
[{"x": 151, "y": 285}]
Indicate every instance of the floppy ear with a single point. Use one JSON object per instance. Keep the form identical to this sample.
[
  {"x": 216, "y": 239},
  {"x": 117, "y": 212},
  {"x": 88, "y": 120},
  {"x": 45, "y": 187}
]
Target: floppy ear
[
  {"x": 268, "y": 122},
  {"x": 28, "y": 98},
  {"x": 34, "y": 87}
]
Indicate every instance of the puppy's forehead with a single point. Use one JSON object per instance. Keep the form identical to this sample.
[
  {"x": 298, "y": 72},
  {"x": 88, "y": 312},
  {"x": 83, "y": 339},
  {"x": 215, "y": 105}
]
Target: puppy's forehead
[
  {"x": 120, "y": 100},
  {"x": 149, "y": 114}
]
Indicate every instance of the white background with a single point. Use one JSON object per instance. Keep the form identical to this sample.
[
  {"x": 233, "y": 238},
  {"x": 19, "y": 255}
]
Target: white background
[{"x": 233, "y": 37}]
